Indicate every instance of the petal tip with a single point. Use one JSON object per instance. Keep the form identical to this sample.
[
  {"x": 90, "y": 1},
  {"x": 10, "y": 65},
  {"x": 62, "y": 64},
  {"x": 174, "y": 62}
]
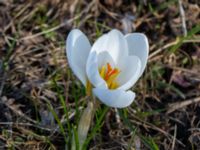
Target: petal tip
[
  {"x": 77, "y": 44},
  {"x": 114, "y": 98},
  {"x": 140, "y": 36},
  {"x": 116, "y": 31}
]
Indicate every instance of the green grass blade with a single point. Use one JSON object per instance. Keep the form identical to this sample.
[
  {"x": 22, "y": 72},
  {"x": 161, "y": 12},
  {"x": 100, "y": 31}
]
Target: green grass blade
[
  {"x": 58, "y": 121},
  {"x": 192, "y": 32},
  {"x": 97, "y": 126}
]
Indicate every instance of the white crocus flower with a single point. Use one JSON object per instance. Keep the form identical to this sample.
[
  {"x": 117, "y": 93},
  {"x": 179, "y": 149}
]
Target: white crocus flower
[{"x": 109, "y": 67}]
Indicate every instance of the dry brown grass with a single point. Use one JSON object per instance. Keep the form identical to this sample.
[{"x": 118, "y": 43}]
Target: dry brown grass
[{"x": 34, "y": 73}]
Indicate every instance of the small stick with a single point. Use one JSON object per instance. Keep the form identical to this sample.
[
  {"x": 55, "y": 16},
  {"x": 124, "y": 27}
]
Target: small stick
[
  {"x": 168, "y": 45},
  {"x": 174, "y": 106},
  {"x": 68, "y": 22},
  {"x": 182, "y": 13},
  {"x": 174, "y": 138},
  {"x": 117, "y": 116}
]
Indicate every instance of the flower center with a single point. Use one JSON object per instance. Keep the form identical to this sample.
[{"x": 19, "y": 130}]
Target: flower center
[{"x": 110, "y": 75}]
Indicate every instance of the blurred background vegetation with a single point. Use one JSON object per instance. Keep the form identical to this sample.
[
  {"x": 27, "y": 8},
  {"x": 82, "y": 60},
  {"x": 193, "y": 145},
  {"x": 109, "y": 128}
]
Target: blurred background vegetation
[{"x": 41, "y": 100}]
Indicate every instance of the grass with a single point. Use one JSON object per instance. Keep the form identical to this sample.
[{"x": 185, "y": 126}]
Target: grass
[
  {"x": 42, "y": 101},
  {"x": 195, "y": 30}
]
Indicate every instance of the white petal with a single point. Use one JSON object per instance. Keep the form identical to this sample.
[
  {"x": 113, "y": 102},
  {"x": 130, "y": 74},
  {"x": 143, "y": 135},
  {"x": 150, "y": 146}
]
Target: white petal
[
  {"x": 100, "y": 44},
  {"x": 104, "y": 58},
  {"x": 114, "y": 43},
  {"x": 92, "y": 71},
  {"x": 77, "y": 49},
  {"x": 114, "y": 98},
  {"x": 138, "y": 45},
  {"x": 130, "y": 72}
]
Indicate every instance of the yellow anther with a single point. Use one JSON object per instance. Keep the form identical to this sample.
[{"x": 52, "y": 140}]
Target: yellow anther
[
  {"x": 102, "y": 72},
  {"x": 88, "y": 88},
  {"x": 112, "y": 78},
  {"x": 114, "y": 85},
  {"x": 109, "y": 74}
]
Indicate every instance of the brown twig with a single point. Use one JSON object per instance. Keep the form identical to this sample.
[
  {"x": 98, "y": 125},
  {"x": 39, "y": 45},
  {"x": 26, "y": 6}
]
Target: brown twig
[
  {"x": 174, "y": 137},
  {"x": 60, "y": 25},
  {"x": 177, "y": 105},
  {"x": 182, "y": 15},
  {"x": 168, "y": 45}
]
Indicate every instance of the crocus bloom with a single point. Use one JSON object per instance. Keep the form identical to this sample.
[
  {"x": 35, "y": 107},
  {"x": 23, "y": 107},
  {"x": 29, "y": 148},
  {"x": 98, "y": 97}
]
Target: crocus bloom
[{"x": 111, "y": 66}]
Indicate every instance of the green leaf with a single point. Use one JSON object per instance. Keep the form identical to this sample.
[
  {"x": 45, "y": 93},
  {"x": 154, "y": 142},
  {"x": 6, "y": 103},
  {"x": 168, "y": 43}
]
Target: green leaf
[
  {"x": 180, "y": 40},
  {"x": 149, "y": 142}
]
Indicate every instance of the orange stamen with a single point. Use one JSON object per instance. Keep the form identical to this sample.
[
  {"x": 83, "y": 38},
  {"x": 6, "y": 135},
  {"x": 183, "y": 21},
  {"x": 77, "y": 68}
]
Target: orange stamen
[
  {"x": 110, "y": 74},
  {"x": 113, "y": 71},
  {"x": 109, "y": 69}
]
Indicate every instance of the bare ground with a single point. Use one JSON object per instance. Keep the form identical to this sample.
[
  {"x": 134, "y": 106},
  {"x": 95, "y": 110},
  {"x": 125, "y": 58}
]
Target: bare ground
[{"x": 35, "y": 77}]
